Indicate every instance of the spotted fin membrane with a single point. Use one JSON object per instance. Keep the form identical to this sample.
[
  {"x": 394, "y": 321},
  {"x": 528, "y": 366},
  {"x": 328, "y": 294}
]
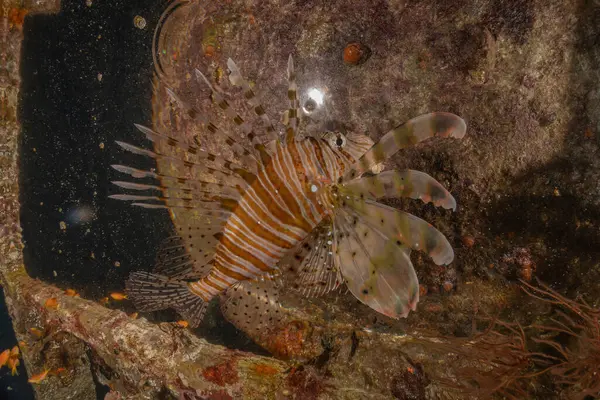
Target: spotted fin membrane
[{"x": 372, "y": 242}]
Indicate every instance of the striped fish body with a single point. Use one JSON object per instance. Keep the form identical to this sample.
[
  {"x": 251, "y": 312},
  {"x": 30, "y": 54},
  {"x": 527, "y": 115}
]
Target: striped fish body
[
  {"x": 286, "y": 201},
  {"x": 298, "y": 208}
]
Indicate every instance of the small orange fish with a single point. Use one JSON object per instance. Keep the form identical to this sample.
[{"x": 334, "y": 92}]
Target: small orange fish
[
  {"x": 4, "y": 356},
  {"x": 13, "y": 363},
  {"x": 51, "y": 303},
  {"x": 37, "y": 378},
  {"x": 104, "y": 301},
  {"x": 118, "y": 296},
  {"x": 36, "y": 332},
  {"x": 22, "y": 344},
  {"x": 71, "y": 293},
  {"x": 183, "y": 324},
  {"x": 134, "y": 315},
  {"x": 14, "y": 353}
]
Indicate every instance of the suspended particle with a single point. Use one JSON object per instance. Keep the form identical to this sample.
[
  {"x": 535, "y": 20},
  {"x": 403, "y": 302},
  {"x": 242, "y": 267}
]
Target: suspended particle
[
  {"x": 99, "y": 77},
  {"x": 101, "y": 145},
  {"x": 117, "y": 264},
  {"x": 88, "y": 3},
  {"x": 139, "y": 22},
  {"x": 63, "y": 225}
]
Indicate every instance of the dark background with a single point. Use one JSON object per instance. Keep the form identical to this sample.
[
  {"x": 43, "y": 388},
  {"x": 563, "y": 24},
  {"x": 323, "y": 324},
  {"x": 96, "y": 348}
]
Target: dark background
[{"x": 66, "y": 113}]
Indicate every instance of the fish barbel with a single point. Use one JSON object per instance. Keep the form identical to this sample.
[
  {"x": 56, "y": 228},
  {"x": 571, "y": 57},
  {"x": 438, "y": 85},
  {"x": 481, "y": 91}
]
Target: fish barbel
[{"x": 291, "y": 205}]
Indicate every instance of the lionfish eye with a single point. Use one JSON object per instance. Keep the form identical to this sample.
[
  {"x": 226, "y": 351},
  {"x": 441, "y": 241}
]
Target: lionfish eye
[{"x": 340, "y": 141}]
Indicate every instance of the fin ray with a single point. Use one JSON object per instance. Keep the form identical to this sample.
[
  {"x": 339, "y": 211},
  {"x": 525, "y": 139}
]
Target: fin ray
[
  {"x": 236, "y": 79},
  {"x": 238, "y": 150},
  {"x": 192, "y": 151},
  {"x": 405, "y": 183},
  {"x": 244, "y": 126},
  {"x": 309, "y": 268},
  {"x": 173, "y": 260},
  {"x": 152, "y": 292},
  {"x": 222, "y": 169},
  {"x": 252, "y": 305},
  {"x": 183, "y": 182},
  {"x": 292, "y": 113}
]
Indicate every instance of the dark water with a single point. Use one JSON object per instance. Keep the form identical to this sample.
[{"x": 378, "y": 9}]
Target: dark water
[{"x": 67, "y": 112}]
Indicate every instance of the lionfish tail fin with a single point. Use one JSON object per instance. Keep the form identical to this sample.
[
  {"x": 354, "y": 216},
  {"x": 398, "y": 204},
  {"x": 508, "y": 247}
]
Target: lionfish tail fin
[
  {"x": 439, "y": 124},
  {"x": 152, "y": 292}
]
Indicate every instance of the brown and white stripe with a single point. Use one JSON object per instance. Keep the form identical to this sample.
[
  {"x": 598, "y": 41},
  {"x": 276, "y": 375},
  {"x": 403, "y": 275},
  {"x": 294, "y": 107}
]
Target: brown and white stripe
[{"x": 275, "y": 213}]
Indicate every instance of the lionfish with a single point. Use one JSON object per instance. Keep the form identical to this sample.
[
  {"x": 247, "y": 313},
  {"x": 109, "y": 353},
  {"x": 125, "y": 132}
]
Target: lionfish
[{"x": 291, "y": 204}]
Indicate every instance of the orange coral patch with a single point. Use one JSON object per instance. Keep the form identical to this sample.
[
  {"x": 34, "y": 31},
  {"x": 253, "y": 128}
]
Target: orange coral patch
[{"x": 222, "y": 374}]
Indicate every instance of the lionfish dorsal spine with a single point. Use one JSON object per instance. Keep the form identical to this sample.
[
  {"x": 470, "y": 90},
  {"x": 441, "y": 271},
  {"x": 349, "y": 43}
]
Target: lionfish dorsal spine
[
  {"x": 242, "y": 125},
  {"x": 293, "y": 99},
  {"x": 236, "y": 79},
  {"x": 238, "y": 150}
]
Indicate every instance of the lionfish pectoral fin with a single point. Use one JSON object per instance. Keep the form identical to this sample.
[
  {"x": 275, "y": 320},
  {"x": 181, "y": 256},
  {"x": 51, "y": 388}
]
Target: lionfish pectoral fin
[
  {"x": 308, "y": 268},
  {"x": 377, "y": 270},
  {"x": 404, "y": 183},
  {"x": 440, "y": 124},
  {"x": 152, "y": 292},
  {"x": 405, "y": 228}
]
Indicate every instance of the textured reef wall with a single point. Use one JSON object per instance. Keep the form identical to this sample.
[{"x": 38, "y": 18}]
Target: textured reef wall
[{"x": 522, "y": 73}]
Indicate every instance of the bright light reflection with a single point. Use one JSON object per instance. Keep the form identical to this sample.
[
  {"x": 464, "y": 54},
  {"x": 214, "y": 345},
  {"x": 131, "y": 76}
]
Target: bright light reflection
[{"x": 316, "y": 95}]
